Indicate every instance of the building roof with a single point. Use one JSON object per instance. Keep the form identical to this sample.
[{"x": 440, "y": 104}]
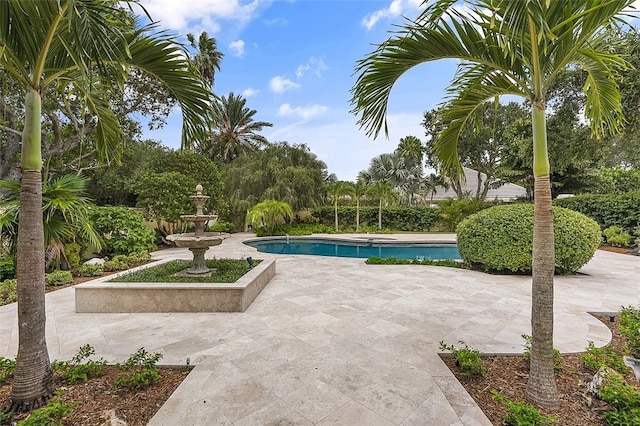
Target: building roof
[{"x": 506, "y": 192}]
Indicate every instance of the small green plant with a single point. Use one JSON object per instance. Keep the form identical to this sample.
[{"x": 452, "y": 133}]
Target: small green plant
[
  {"x": 6, "y": 368},
  {"x": 88, "y": 270},
  {"x": 625, "y": 400},
  {"x": 558, "y": 362},
  {"x": 81, "y": 367},
  {"x": 467, "y": 359},
  {"x": 8, "y": 291},
  {"x": 616, "y": 236},
  {"x": 395, "y": 261},
  {"x": 57, "y": 278},
  {"x": 7, "y": 267},
  {"x": 72, "y": 254},
  {"x": 116, "y": 265},
  {"x": 594, "y": 358},
  {"x": 50, "y": 415},
  {"x": 519, "y": 413},
  {"x": 630, "y": 328},
  {"x": 222, "y": 226},
  {"x": 136, "y": 258},
  {"x": 142, "y": 370}
]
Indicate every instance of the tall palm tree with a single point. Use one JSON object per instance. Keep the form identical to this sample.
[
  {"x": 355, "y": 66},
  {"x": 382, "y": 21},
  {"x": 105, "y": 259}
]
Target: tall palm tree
[
  {"x": 383, "y": 192},
  {"x": 506, "y": 47},
  {"x": 336, "y": 191},
  {"x": 90, "y": 45},
  {"x": 360, "y": 189},
  {"x": 208, "y": 58},
  {"x": 235, "y": 132}
]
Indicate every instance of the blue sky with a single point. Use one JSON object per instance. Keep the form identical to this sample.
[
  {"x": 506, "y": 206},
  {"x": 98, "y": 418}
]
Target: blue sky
[{"x": 294, "y": 60}]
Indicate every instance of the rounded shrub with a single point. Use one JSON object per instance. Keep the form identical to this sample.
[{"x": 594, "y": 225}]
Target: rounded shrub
[{"x": 501, "y": 239}]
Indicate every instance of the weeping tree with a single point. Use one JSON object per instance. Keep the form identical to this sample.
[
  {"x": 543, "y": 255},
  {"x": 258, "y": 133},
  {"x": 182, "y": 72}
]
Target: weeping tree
[
  {"x": 506, "y": 47},
  {"x": 90, "y": 46}
]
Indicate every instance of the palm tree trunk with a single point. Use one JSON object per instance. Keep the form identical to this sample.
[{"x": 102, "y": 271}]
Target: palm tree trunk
[
  {"x": 541, "y": 386},
  {"x": 33, "y": 378},
  {"x": 380, "y": 215},
  {"x": 358, "y": 215},
  {"x": 335, "y": 211}
]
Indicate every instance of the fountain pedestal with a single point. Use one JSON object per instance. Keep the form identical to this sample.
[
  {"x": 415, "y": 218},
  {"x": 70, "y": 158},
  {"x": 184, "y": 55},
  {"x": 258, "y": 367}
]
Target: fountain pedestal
[{"x": 199, "y": 241}]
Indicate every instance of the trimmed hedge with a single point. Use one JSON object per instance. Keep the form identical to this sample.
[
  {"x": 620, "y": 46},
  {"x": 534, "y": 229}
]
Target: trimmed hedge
[
  {"x": 608, "y": 210},
  {"x": 501, "y": 239},
  {"x": 397, "y": 218}
]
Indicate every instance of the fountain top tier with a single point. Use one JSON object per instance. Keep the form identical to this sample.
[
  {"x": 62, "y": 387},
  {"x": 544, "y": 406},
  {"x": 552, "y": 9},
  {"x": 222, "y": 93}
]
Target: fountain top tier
[{"x": 199, "y": 219}]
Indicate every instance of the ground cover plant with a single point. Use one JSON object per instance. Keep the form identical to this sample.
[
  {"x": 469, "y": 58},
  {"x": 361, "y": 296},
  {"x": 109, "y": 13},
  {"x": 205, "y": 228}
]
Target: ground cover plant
[
  {"x": 500, "y": 392},
  {"x": 226, "y": 271},
  {"x": 87, "y": 389}
]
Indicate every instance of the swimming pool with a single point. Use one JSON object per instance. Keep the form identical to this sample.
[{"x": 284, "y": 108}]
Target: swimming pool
[{"x": 359, "y": 249}]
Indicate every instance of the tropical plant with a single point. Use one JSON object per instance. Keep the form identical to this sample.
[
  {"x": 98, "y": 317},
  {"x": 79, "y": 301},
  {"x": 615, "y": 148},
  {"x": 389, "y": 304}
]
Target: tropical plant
[
  {"x": 90, "y": 46},
  {"x": 411, "y": 148},
  {"x": 506, "y": 47},
  {"x": 268, "y": 213},
  {"x": 208, "y": 58},
  {"x": 123, "y": 230},
  {"x": 234, "y": 131},
  {"x": 383, "y": 193},
  {"x": 336, "y": 191},
  {"x": 359, "y": 190},
  {"x": 65, "y": 213}
]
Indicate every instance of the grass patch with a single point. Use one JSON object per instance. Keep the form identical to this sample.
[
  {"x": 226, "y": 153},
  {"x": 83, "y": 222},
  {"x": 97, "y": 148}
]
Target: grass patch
[
  {"x": 395, "y": 261},
  {"x": 226, "y": 271}
]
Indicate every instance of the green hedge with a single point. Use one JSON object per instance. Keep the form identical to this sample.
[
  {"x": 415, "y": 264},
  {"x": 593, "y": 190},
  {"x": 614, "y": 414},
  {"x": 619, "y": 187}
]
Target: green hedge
[
  {"x": 414, "y": 219},
  {"x": 608, "y": 210},
  {"x": 501, "y": 238}
]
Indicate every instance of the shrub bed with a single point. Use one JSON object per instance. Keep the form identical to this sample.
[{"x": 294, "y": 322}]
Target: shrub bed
[
  {"x": 501, "y": 239},
  {"x": 608, "y": 210}
]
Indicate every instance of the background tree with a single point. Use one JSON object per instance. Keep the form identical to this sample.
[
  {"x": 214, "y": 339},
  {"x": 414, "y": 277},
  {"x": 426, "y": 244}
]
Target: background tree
[
  {"x": 87, "y": 45},
  {"x": 506, "y": 48},
  {"x": 411, "y": 149},
  {"x": 337, "y": 191},
  {"x": 208, "y": 58},
  {"x": 360, "y": 189},
  {"x": 383, "y": 193},
  {"x": 235, "y": 132}
]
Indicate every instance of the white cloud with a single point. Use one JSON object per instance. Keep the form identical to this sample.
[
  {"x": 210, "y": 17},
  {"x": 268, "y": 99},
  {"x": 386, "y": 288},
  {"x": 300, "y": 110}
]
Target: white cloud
[
  {"x": 249, "y": 92},
  {"x": 304, "y": 113},
  {"x": 315, "y": 65},
  {"x": 178, "y": 15},
  {"x": 280, "y": 84},
  {"x": 237, "y": 47},
  {"x": 396, "y": 8}
]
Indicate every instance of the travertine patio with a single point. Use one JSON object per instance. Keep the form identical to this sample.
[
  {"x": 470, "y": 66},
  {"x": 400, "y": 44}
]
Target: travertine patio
[{"x": 335, "y": 341}]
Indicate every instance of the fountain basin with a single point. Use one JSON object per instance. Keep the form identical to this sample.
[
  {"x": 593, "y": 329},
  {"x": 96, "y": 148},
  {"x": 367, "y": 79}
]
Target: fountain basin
[
  {"x": 190, "y": 240},
  {"x": 101, "y": 296}
]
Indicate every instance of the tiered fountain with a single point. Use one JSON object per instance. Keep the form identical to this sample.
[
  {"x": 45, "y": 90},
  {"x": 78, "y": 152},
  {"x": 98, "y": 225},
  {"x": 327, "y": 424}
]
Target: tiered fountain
[{"x": 198, "y": 242}]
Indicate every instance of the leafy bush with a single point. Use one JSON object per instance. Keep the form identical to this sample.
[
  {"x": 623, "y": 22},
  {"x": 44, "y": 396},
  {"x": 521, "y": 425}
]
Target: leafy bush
[
  {"x": 8, "y": 291},
  {"x": 519, "y": 413},
  {"x": 501, "y": 238},
  {"x": 7, "y": 267},
  {"x": 116, "y": 265},
  {"x": 6, "y": 368},
  {"x": 81, "y": 367},
  {"x": 222, "y": 226},
  {"x": 453, "y": 211},
  {"x": 142, "y": 370},
  {"x": 624, "y": 398},
  {"x": 621, "y": 210},
  {"x": 72, "y": 254},
  {"x": 467, "y": 359},
  {"x": 630, "y": 328},
  {"x": 595, "y": 358},
  {"x": 51, "y": 414},
  {"x": 123, "y": 230},
  {"x": 88, "y": 270},
  {"x": 395, "y": 261},
  {"x": 404, "y": 218},
  {"x": 558, "y": 362},
  {"x": 56, "y": 278},
  {"x": 616, "y": 236}
]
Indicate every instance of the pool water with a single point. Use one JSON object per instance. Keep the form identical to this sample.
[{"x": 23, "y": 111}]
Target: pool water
[{"x": 358, "y": 249}]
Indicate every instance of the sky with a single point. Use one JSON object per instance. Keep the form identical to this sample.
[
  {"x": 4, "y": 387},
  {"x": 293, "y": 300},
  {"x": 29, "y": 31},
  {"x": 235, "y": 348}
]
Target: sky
[{"x": 294, "y": 60}]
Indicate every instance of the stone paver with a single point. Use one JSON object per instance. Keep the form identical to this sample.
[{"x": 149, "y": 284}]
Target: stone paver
[{"x": 335, "y": 341}]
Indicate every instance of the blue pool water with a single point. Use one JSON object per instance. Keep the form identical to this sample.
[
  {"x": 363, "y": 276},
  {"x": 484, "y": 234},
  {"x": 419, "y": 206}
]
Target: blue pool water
[{"x": 360, "y": 249}]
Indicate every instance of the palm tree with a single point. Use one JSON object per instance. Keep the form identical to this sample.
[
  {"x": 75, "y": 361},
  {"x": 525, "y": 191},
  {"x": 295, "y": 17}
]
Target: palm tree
[
  {"x": 360, "y": 189},
  {"x": 383, "y": 192},
  {"x": 268, "y": 212},
  {"x": 235, "y": 131},
  {"x": 411, "y": 148},
  {"x": 337, "y": 190},
  {"x": 90, "y": 45},
  {"x": 208, "y": 58},
  {"x": 506, "y": 47}
]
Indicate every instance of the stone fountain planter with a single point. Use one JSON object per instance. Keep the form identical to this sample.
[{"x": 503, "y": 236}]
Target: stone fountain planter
[{"x": 102, "y": 296}]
